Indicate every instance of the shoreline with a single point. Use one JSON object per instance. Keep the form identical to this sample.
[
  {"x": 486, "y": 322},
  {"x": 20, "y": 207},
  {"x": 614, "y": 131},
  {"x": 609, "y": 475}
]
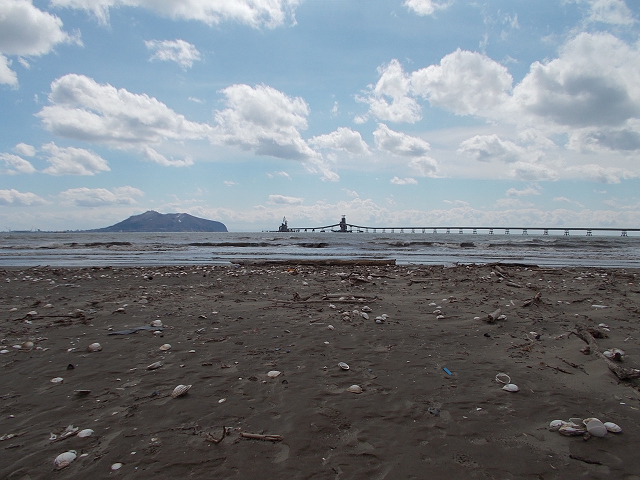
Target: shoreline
[{"x": 430, "y": 400}]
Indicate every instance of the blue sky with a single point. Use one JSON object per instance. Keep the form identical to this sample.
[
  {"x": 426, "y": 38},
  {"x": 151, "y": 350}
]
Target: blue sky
[{"x": 392, "y": 112}]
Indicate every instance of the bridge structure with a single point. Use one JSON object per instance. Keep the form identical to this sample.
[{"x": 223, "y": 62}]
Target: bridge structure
[{"x": 344, "y": 227}]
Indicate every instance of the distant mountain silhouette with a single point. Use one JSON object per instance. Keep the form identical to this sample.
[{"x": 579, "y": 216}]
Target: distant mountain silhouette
[{"x": 152, "y": 221}]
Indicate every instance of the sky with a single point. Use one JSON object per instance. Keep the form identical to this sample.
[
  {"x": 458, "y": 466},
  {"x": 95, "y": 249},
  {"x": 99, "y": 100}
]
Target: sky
[{"x": 391, "y": 112}]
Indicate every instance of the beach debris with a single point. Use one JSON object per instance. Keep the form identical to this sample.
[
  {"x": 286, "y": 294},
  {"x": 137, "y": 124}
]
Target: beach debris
[
  {"x": 555, "y": 425},
  {"x": 116, "y": 466},
  {"x": 82, "y": 393},
  {"x": 64, "y": 459},
  {"x": 180, "y": 391},
  {"x": 511, "y": 387},
  {"x": 212, "y": 439},
  {"x": 68, "y": 432},
  {"x": 166, "y": 347},
  {"x": 366, "y": 309},
  {"x": 435, "y": 411},
  {"x": 506, "y": 380},
  {"x": 118, "y": 310},
  {"x": 57, "y": 380},
  {"x": 258, "y": 436},
  {"x": 364, "y": 315},
  {"x": 330, "y": 327},
  {"x": 28, "y": 345},
  {"x": 614, "y": 354},
  {"x": 154, "y": 366},
  {"x": 355, "y": 389},
  {"x": 156, "y": 323},
  {"x": 623, "y": 373},
  {"x": 612, "y": 427},
  {"x": 94, "y": 347},
  {"x": 595, "y": 427},
  {"x": 273, "y": 374},
  {"x": 129, "y": 331},
  {"x": 495, "y": 316},
  {"x": 87, "y": 432},
  {"x": 343, "y": 366},
  {"x": 572, "y": 430},
  {"x": 447, "y": 371},
  {"x": 533, "y": 300}
]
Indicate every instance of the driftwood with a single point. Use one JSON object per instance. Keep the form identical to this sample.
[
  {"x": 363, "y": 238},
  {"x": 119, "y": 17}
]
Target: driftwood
[
  {"x": 531, "y": 301},
  {"x": 623, "y": 373},
  {"x": 258, "y": 436},
  {"x": 493, "y": 317},
  {"x": 212, "y": 439}
]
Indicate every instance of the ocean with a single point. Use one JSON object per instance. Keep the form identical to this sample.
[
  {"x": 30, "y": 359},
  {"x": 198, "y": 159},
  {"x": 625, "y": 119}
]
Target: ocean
[{"x": 82, "y": 249}]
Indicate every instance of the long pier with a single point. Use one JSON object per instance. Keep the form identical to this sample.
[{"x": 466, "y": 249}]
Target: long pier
[{"x": 344, "y": 227}]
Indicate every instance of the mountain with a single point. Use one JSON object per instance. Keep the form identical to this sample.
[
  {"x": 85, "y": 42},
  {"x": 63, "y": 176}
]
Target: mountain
[{"x": 152, "y": 221}]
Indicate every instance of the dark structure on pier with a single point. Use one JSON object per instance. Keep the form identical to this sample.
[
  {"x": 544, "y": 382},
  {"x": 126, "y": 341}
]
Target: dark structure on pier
[{"x": 344, "y": 227}]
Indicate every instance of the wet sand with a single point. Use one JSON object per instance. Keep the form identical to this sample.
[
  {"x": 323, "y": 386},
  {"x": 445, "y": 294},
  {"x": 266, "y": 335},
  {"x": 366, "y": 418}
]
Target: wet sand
[{"x": 228, "y": 326}]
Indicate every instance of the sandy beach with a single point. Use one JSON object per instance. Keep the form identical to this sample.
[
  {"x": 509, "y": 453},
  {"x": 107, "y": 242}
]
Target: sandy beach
[{"x": 425, "y": 345}]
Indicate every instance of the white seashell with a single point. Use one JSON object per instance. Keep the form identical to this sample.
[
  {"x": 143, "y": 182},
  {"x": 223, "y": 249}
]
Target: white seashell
[
  {"x": 569, "y": 430},
  {"x": 366, "y": 309},
  {"x": 180, "y": 390},
  {"x": 576, "y": 421},
  {"x": 608, "y": 353},
  {"x": 94, "y": 347},
  {"x": 154, "y": 366},
  {"x": 355, "y": 389},
  {"x": 87, "y": 432},
  {"x": 511, "y": 387},
  {"x": 364, "y": 315},
  {"x": 156, "y": 323},
  {"x": 57, "y": 380},
  {"x": 116, "y": 466},
  {"x": 32, "y": 313},
  {"x": 343, "y": 366},
  {"x": 165, "y": 347},
  {"x": 64, "y": 459},
  {"x": 503, "y": 378},
  {"x": 273, "y": 374},
  {"x": 555, "y": 425},
  {"x": 612, "y": 427},
  {"x": 330, "y": 327},
  {"x": 595, "y": 427}
]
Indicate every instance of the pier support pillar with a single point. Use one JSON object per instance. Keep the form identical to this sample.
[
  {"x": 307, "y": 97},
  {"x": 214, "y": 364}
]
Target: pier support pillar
[
  {"x": 624, "y": 233},
  {"x": 566, "y": 232},
  {"x": 506, "y": 231}
]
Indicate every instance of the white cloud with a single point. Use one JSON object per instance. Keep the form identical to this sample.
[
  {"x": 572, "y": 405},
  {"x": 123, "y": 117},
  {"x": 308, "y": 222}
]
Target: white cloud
[
  {"x": 15, "y": 164},
  {"x": 179, "y": 51},
  {"x": 255, "y": 13},
  {"x": 466, "y": 83},
  {"x": 7, "y": 76},
  {"x": 25, "y": 150},
  {"x": 424, "y": 166},
  {"x": 343, "y": 139},
  {"x": 229, "y": 183},
  {"x": 403, "y": 181},
  {"x": 599, "y": 173},
  {"x": 15, "y": 198},
  {"x": 513, "y": 192},
  {"x": 73, "y": 161},
  {"x": 566, "y": 200},
  {"x": 486, "y": 148},
  {"x": 393, "y": 84},
  {"x": 82, "y": 109},
  {"x": 613, "y": 12},
  {"x": 403, "y": 145},
  {"x": 532, "y": 172},
  {"x": 426, "y": 7},
  {"x": 100, "y": 197},
  {"x": 284, "y": 200}
]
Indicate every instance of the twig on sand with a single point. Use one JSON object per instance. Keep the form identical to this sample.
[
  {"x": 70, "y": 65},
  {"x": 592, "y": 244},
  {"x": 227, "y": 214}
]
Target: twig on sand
[
  {"x": 623, "y": 373},
  {"x": 533, "y": 300},
  {"x": 258, "y": 436},
  {"x": 212, "y": 439},
  {"x": 557, "y": 369},
  {"x": 585, "y": 460},
  {"x": 574, "y": 365}
]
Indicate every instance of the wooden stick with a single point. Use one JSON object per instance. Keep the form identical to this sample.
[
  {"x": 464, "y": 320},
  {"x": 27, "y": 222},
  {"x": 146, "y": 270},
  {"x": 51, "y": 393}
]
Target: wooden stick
[
  {"x": 212, "y": 439},
  {"x": 258, "y": 436},
  {"x": 623, "y": 373}
]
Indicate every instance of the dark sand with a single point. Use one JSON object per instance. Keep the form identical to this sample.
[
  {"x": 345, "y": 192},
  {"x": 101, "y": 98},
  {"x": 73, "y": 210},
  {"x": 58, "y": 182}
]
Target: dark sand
[{"x": 229, "y": 326}]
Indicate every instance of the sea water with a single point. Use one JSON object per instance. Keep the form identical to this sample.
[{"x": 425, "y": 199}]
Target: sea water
[{"x": 83, "y": 249}]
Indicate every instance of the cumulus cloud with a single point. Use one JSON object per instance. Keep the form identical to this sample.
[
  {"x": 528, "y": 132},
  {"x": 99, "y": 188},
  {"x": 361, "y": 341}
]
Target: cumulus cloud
[
  {"x": 179, "y": 51},
  {"x": 25, "y": 150},
  {"x": 426, "y": 7},
  {"x": 100, "y": 197},
  {"x": 614, "y": 12},
  {"x": 466, "y": 83},
  {"x": 486, "y": 148},
  {"x": 73, "y": 161},
  {"x": 403, "y": 145},
  {"x": 255, "y": 13},
  {"x": 19, "y": 199},
  {"x": 403, "y": 181},
  {"x": 389, "y": 99},
  {"x": 27, "y": 31},
  {"x": 15, "y": 164},
  {"x": 343, "y": 139},
  {"x": 284, "y": 200},
  {"x": 82, "y": 109}
]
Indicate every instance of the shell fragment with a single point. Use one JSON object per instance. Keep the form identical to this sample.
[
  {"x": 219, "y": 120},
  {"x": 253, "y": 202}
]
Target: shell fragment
[
  {"x": 180, "y": 391},
  {"x": 64, "y": 459},
  {"x": 355, "y": 389},
  {"x": 343, "y": 366}
]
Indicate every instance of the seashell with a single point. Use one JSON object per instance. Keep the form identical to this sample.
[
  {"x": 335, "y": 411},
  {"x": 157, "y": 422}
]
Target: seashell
[
  {"x": 576, "y": 421},
  {"x": 608, "y": 354},
  {"x": 330, "y": 327},
  {"x": 57, "y": 380},
  {"x": 154, "y": 366},
  {"x": 618, "y": 355},
  {"x": 165, "y": 347},
  {"x": 595, "y": 427},
  {"x": 355, "y": 389},
  {"x": 64, "y": 459},
  {"x": 94, "y": 347},
  {"x": 555, "y": 425},
  {"x": 116, "y": 466},
  {"x": 273, "y": 374},
  {"x": 569, "y": 430},
  {"x": 180, "y": 390},
  {"x": 156, "y": 323},
  {"x": 366, "y": 309},
  {"x": 612, "y": 427},
  {"x": 343, "y": 366},
  {"x": 87, "y": 432},
  {"x": 28, "y": 345},
  {"x": 364, "y": 315},
  {"x": 511, "y": 387},
  {"x": 503, "y": 378}
]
